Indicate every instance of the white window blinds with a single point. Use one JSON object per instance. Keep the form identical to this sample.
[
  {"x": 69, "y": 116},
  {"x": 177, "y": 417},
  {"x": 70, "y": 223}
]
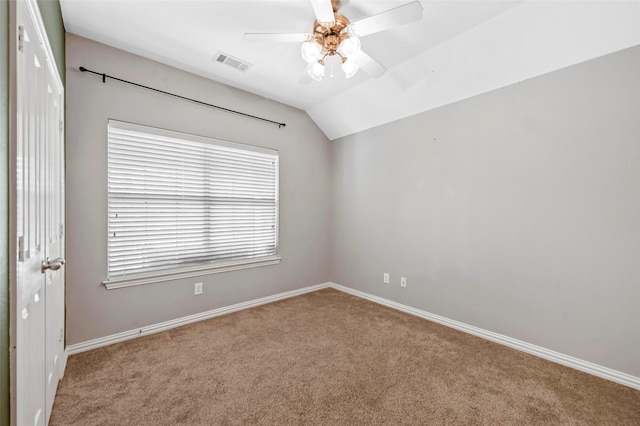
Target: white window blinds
[{"x": 177, "y": 200}]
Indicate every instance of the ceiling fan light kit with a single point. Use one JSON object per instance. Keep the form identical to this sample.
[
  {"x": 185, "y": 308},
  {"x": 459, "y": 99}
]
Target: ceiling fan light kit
[
  {"x": 316, "y": 71},
  {"x": 350, "y": 47},
  {"x": 350, "y": 68},
  {"x": 311, "y": 51},
  {"x": 329, "y": 39},
  {"x": 334, "y": 35}
]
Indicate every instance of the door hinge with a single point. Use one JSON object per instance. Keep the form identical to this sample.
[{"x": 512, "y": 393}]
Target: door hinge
[
  {"x": 61, "y": 126},
  {"x": 61, "y": 230},
  {"x": 20, "y": 249},
  {"x": 21, "y": 39}
]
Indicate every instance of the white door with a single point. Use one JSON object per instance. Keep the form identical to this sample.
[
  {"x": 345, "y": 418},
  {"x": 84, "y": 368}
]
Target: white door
[
  {"x": 39, "y": 220},
  {"x": 54, "y": 245},
  {"x": 53, "y": 168}
]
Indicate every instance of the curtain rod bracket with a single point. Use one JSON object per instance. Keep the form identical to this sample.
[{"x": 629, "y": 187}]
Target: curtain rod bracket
[{"x": 105, "y": 76}]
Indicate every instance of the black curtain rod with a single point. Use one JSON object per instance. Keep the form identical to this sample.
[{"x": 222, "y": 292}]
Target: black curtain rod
[{"x": 105, "y": 76}]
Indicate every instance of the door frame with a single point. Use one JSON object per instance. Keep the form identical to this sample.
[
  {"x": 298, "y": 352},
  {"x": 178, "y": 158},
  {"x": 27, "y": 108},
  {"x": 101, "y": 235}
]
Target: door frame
[{"x": 34, "y": 11}]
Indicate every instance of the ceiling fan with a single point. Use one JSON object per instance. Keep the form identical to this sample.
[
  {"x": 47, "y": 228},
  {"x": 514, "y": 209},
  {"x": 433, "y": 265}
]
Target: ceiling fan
[{"x": 334, "y": 35}]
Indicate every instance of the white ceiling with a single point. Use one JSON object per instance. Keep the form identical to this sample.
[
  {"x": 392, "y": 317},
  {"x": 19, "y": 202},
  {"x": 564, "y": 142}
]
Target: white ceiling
[{"x": 459, "y": 48}]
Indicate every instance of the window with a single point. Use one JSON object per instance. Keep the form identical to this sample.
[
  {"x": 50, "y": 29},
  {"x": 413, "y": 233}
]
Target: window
[{"x": 181, "y": 201}]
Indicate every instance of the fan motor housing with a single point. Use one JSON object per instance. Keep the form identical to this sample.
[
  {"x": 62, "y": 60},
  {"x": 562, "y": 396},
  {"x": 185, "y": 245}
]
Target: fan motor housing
[{"x": 330, "y": 37}]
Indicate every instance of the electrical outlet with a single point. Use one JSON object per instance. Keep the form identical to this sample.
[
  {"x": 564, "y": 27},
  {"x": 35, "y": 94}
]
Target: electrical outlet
[
  {"x": 385, "y": 278},
  {"x": 403, "y": 282},
  {"x": 197, "y": 288}
]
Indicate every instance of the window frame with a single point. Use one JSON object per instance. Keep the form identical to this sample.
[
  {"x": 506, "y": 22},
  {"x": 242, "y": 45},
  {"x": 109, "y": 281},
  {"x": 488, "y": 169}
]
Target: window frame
[{"x": 205, "y": 268}]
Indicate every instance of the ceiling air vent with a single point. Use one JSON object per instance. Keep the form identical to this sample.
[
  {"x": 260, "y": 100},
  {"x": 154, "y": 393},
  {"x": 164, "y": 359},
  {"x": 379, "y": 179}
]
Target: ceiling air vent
[{"x": 236, "y": 63}]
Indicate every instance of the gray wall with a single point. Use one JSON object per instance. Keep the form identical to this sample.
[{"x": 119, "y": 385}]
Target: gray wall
[
  {"x": 517, "y": 211},
  {"x": 305, "y": 186},
  {"x": 4, "y": 213},
  {"x": 52, "y": 19}
]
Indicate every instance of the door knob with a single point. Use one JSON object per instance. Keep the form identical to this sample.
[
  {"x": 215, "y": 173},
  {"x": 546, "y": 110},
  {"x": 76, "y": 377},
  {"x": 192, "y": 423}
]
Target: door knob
[{"x": 53, "y": 264}]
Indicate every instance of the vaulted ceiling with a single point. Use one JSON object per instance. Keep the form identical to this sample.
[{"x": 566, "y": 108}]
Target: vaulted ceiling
[{"x": 457, "y": 50}]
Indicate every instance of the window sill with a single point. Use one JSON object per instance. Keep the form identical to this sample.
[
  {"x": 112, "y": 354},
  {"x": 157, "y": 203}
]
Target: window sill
[{"x": 177, "y": 274}]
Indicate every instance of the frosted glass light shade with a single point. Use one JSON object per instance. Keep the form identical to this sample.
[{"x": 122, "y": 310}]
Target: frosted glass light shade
[
  {"x": 316, "y": 71},
  {"x": 349, "y": 47},
  {"x": 350, "y": 68},
  {"x": 311, "y": 51}
]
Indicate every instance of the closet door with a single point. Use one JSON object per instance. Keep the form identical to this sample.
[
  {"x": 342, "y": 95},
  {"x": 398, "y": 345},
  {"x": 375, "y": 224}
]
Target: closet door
[
  {"x": 39, "y": 220},
  {"x": 54, "y": 271}
]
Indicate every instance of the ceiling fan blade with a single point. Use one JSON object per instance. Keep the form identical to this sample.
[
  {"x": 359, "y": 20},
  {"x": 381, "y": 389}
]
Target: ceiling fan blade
[
  {"x": 369, "y": 65},
  {"x": 286, "y": 38},
  {"x": 305, "y": 78},
  {"x": 400, "y": 15},
  {"x": 324, "y": 11}
]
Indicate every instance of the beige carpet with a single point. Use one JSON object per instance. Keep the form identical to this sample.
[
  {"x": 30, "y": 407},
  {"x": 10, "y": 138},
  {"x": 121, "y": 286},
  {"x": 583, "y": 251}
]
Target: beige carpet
[{"x": 329, "y": 358}]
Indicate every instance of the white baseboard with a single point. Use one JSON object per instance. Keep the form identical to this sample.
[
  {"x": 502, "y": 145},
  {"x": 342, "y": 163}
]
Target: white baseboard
[
  {"x": 569, "y": 361},
  {"x": 167, "y": 325}
]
